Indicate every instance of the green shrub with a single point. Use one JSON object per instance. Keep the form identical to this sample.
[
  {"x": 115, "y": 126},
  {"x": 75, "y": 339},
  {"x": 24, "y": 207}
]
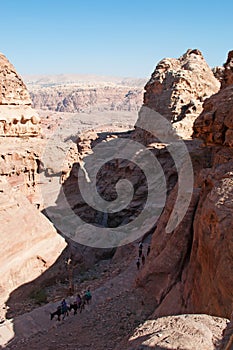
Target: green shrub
[{"x": 39, "y": 296}]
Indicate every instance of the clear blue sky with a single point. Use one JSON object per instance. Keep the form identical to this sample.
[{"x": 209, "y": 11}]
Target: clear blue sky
[{"x": 111, "y": 37}]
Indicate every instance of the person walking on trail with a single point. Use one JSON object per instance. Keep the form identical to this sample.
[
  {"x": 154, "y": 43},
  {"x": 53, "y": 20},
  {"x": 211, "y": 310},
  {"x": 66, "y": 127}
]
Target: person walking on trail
[
  {"x": 148, "y": 250},
  {"x": 140, "y": 246},
  {"x": 88, "y": 296},
  {"x": 143, "y": 259},
  {"x": 79, "y": 300},
  {"x": 64, "y": 309},
  {"x": 138, "y": 264}
]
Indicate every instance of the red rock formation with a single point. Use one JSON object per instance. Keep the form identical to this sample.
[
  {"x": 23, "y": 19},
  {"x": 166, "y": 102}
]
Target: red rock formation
[
  {"x": 190, "y": 270},
  {"x": 189, "y": 332},
  {"x": 208, "y": 287},
  {"x": 211, "y": 263},
  {"x": 29, "y": 242},
  {"x": 13, "y": 91},
  {"x": 227, "y": 342},
  {"x": 178, "y": 87},
  {"x": 74, "y": 98},
  {"x": 228, "y": 71},
  {"x": 215, "y": 123},
  {"x": 17, "y": 118}
]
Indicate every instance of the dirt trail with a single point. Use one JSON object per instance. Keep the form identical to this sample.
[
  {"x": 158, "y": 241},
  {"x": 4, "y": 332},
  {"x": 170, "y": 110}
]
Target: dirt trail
[{"x": 115, "y": 311}]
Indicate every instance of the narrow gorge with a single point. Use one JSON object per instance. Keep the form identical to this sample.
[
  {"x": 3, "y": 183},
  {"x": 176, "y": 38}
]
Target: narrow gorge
[{"x": 182, "y": 297}]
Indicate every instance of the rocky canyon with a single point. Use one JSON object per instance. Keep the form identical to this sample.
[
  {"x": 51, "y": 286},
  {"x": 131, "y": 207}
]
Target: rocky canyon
[{"x": 181, "y": 296}]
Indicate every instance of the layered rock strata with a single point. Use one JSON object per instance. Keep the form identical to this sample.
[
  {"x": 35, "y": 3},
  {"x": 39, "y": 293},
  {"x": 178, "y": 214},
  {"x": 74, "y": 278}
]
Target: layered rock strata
[
  {"x": 178, "y": 87},
  {"x": 189, "y": 270},
  {"x": 177, "y": 90},
  {"x": 73, "y": 99},
  {"x": 17, "y": 118},
  {"x": 29, "y": 242}
]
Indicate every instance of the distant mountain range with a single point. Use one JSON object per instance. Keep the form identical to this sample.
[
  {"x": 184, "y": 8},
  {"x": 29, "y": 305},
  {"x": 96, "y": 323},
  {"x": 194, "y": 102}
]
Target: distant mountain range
[
  {"x": 81, "y": 79},
  {"x": 85, "y": 93}
]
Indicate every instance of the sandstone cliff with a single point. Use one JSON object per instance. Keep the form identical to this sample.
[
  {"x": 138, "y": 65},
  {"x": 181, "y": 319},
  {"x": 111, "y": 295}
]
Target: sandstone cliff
[
  {"x": 83, "y": 94},
  {"x": 214, "y": 124},
  {"x": 177, "y": 90},
  {"x": 178, "y": 87},
  {"x": 13, "y": 91},
  {"x": 189, "y": 270},
  {"x": 17, "y": 118},
  {"x": 227, "y": 79},
  {"x": 30, "y": 244}
]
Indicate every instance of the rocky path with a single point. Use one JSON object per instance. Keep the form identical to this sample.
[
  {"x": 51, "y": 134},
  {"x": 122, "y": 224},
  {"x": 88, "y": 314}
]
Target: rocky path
[{"x": 114, "y": 313}]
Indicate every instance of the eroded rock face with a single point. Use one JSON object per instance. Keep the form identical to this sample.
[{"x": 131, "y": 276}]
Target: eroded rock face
[
  {"x": 208, "y": 287},
  {"x": 13, "y": 91},
  {"x": 20, "y": 164},
  {"x": 189, "y": 332},
  {"x": 178, "y": 87},
  {"x": 177, "y": 90},
  {"x": 189, "y": 270},
  {"x": 75, "y": 99},
  {"x": 218, "y": 73},
  {"x": 29, "y": 242},
  {"x": 228, "y": 71},
  {"x": 215, "y": 123},
  {"x": 227, "y": 341},
  {"x": 17, "y": 118}
]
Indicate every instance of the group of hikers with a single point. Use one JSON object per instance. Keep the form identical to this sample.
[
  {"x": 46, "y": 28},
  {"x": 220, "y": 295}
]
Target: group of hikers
[
  {"x": 79, "y": 303},
  {"x": 141, "y": 256}
]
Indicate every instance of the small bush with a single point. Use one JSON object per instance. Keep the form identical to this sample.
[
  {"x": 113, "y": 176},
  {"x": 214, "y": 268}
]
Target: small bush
[{"x": 39, "y": 296}]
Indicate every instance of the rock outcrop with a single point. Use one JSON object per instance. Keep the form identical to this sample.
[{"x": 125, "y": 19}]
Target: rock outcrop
[
  {"x": 20, "y": 165},
  {"x": 17, "y": 118},
  {"x": 228, "y": 71},
  {"x": 218, "y": 73},
  {"x": 189, "y": 270},
  {"x": 177, "y": 90},
  {"x": 13, "y": 91},
  {"x": 19, "y": 131},
  {"x": 208, "y": 287},
  {"x": 29, "y": 242},
  {"x": 74, "y": 98},
  {"x": 189, "y": 332},
  {"x": 178, "y": 87},
  {"x": 227, "y": 341},
  {"x": 215, "y": 123}
]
